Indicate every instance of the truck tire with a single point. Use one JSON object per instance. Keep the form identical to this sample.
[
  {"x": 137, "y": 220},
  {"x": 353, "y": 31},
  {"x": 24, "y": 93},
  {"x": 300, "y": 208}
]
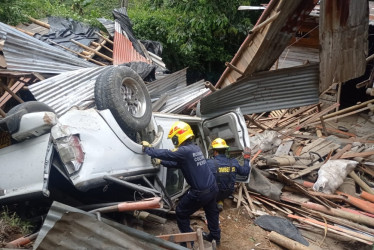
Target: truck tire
[{"x": 123, "y": 92}]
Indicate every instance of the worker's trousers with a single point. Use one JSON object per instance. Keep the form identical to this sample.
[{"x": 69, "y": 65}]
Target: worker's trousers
[{"x": 193, "y": 201}]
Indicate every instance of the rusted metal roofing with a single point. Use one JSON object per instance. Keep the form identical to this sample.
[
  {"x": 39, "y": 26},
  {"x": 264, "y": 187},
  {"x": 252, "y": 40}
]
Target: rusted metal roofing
[
  {"x": 123, "y": 50},
  {"x": 74, "y": 88},
  {"x": 344, "y": 40},
  {"x": 28, "y": 54},
  {"x": 271, "y": 35},
  {"x": 66, "y": 227},
  {"x": 266, "y": 91}
]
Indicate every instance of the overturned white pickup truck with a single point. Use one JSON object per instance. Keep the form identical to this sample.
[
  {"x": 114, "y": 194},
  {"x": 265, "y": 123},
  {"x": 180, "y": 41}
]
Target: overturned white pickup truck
[{"x": 90, "y": 150}]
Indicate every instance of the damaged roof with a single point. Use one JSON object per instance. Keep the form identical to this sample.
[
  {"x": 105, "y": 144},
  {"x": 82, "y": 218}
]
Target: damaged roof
[
  {"x": 269, "y": 37},
  {"x": 28, "y": 54},
  {"x": 266, "y": 91}
]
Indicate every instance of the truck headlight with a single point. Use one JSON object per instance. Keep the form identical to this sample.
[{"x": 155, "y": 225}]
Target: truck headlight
[{"x": 71, "y": 152}]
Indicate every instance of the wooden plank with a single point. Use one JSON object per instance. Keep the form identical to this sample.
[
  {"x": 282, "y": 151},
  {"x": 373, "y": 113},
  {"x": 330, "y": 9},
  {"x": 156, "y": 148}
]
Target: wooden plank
[
  {"x": 240, "y": 196},
  {"x": 360, "y": 154},
  {"x": 313, "y": 118},
  {"x": 308, "y": 147},
  {"x": 181, "y": 237},
  {"x": 284, "y": 148},
  {"x": 306, "y": 171}
]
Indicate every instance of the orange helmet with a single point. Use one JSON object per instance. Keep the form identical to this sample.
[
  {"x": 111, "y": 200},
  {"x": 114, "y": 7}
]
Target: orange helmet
[
  {"x": 219, "y": 143},
  {"x": 179, "y": 132}
]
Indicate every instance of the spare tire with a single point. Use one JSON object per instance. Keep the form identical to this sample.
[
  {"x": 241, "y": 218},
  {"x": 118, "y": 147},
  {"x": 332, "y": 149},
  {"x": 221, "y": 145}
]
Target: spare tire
[{"x": 123, "y": 92}]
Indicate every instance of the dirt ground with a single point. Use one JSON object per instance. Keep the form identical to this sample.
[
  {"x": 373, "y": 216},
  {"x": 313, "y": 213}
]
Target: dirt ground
[{"x": 238, "y": 231}]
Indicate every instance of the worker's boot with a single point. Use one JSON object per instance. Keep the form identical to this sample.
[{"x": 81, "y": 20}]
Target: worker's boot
[
  {"x": 220, "y": 206},
  {"x": 209, "y": 237}
]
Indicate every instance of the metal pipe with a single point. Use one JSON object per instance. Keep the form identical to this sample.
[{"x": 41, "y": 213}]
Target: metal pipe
[
  {"x": 131, "y": 185},
  {"x": 150, "y": 203}
]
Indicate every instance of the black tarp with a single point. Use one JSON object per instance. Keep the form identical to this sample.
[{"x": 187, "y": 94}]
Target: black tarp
[
  {"x": 62, "y": 30},
  {"x": 120, "y": 15},
  {"x": 281, "y": 226}
]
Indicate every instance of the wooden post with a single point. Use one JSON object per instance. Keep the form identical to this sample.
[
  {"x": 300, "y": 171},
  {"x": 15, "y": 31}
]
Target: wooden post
[
  {"x": 200, "y": 239},
  {"x": 240, "y": 196},
  {"x": 322, "y": 121},
  {"x": 286, "y": 242},
  {"x": 92, "y": 50}
]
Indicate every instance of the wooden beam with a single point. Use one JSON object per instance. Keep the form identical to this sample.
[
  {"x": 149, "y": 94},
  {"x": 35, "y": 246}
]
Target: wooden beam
[
  {"x": 5, "y": 87},
  {"x": 285, "y": 242},
  {"x": 106, "y": 39},
  {"x": 92, "y": 50},
  {"x": 360, "y": 154},
  {"x": 181, "y": 237},
  {"x": 2, "y": 113},
  {"x": 361, "y": 183},
  {"x": 38, "y": 22},
  {"x": 234, "y": 68},
  {"x": 74, "y": 52},
  {"x": 313, "y": 118},
  {"x": 254, "y": 122},
  {"x": 264, "y": 23},
  {"x": 102, "y": 45}
]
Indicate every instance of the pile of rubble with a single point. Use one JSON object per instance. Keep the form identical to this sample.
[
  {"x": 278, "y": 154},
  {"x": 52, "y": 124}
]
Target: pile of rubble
[{"x": 316, "y": 175}]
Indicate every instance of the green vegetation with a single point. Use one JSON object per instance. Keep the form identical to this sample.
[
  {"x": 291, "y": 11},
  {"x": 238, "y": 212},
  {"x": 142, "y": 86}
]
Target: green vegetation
[
  {"x": 10, "y": 223},
  {"x": 200, "y": 34}
]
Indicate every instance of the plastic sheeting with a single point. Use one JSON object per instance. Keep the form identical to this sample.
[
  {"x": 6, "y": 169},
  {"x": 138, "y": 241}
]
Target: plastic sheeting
[
  {"x": 64, "y": 29},
  {"x": 152, "y": 46},
  {"x": 332, "y": 174},
  {"x": 260, "y": 184},
  {"x": 144, "y": 70},
  {"x": 281, "y": 226}
]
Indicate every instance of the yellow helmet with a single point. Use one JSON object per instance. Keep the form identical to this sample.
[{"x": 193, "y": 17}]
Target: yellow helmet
[
  {"x": 179, "y": 132},
  {"x": 219, "y": 143}
]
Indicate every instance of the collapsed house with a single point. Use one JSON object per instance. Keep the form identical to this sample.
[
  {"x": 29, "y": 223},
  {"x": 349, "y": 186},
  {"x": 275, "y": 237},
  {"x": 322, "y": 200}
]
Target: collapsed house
[{"x": 300, "y": 72}]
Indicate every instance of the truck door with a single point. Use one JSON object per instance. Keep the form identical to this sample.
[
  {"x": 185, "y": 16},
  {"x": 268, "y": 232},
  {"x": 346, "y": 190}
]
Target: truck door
[{"x": 232, "y": 128}]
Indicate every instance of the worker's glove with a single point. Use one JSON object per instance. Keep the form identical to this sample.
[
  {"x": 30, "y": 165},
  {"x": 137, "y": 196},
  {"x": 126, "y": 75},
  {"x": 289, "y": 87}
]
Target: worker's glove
[
  {"x": 145, "y": 144},
  {"x": 156, "y": 162},
  {"x": 247, "y": 153}
]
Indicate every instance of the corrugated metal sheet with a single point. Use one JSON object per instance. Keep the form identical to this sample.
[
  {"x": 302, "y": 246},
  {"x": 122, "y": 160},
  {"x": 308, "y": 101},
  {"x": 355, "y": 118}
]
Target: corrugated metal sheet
[
  {"x": 28, "y": 54},
  {"x": 108, "y": 24},
  {"x": 182, "y": 97},
  {"x": 266, "y": 91},
  {"x": 161, "y": 86},
  {"x": 296, "y": 56},
  {"x": 70, "y": 228},
  {"x": 260, "y": 50},
  {"x": 344, "y": 40},
  {"x": 74, "y": 88},
  {"x": 123, "y": 51}
]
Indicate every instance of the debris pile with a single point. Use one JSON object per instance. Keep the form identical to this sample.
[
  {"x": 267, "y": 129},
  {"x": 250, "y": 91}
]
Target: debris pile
[{"x": 316, "y": 176}]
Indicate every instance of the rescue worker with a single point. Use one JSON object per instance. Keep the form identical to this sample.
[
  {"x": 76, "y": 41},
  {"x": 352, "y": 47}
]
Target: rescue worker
[
  {"x": 225, "y": 169},
  {"x": 203, "y": 188}
]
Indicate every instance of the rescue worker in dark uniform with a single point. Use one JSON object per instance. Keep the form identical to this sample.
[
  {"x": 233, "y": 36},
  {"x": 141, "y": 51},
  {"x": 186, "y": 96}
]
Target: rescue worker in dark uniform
[
  {"x": 225, "y": 169},
  {"x": 203, "y": 188}
]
